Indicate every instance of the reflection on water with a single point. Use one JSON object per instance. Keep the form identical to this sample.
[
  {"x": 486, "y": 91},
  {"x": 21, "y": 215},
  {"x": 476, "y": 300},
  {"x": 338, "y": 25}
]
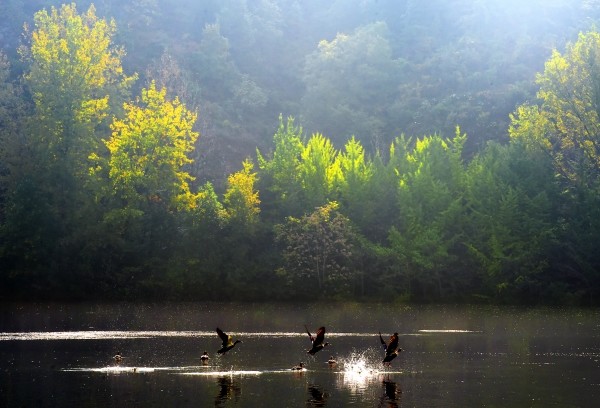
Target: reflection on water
[
  {"x": 146, "y": 334},
  {"x": 118, "y": 369},
  {"x": 231, "y": 373},
  {"x": 63, "y": 355},
  {"x": 316, "y": 396},
  {"x": 95, "y": 334},
  {"x": 391, "y": 395},
  {"x": 228, "y": 389},
  {"x": 362, "y": 371}
]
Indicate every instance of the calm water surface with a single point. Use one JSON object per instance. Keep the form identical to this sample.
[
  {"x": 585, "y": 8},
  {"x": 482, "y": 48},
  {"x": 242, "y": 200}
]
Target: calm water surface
[{"x": 59, "y": 355}]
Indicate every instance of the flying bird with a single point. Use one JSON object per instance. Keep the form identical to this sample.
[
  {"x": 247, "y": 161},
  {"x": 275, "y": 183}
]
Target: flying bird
[
  {"x": 227, "y": 340},
  {"x": 317, "y": 341},
  {"x": 391, "y": 348}
]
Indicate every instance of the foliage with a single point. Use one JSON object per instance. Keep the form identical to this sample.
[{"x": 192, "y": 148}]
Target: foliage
[
  {"x": 426, "y": 238},
  {"x": 101, "y": 198},
  {"x": 241, "y": 200},
  {"x": 318, "y": 252},
  {"x": 510, "y": 197},
  {"x": 565, "y": 126},
  {"x": 74, "y": 77},
  {"x": 73, "y": 53},
  {"x": 282, "y": 169},
  {"x": 352, "y": 177},
  {"x": 148, "y": 151},
  {"x": 317, "y": 170},
  {"x": 567, "y": 123},
  {"x": 350, "y": 82}
]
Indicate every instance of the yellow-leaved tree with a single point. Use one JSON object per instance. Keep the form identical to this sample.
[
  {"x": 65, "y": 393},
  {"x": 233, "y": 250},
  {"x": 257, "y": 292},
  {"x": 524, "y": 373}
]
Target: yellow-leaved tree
[
  {"x": 565, "y": 126},
  {"x": 75, "y": 75},
  {"x": 73, "y": 72},
  {"x": 566, "y": 122},
  {"x": 241, "y": 199},
  {"x": 148, "y": 152}
]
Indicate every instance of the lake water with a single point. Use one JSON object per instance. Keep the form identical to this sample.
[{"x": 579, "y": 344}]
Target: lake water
[{"x": 59, "y": 355}]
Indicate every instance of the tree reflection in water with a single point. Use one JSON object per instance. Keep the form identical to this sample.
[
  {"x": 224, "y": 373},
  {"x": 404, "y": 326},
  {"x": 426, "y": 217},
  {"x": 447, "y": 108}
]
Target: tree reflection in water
[{"x": 227, "y": 389}]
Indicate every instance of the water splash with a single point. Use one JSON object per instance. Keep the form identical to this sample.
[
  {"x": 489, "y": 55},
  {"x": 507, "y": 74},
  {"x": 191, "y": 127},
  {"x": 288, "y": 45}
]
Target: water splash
[{"x": 360, "y": 369}]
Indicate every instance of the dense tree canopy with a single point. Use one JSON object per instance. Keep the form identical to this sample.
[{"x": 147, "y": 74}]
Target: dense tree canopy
[
  {"x": 148, "y": 150},
  {"x": 351, "y": 83},
  {"x": 387, "y": 161},
  {"x": 567, "y": 124}
]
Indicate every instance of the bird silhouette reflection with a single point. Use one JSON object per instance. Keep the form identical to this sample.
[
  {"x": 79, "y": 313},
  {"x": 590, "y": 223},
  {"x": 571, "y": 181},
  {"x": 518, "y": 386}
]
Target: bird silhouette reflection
[
  {"x": 391, "y": 396},
  {"x": 227, "y": 390},
  {"x": 316, "y": 396}
]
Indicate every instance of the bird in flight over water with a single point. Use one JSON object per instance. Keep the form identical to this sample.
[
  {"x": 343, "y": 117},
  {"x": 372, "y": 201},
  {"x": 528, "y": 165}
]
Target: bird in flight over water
[
  {"x": 391, "y": 348},
  {"x": 317, "y": 341},
  {"x": 227, "y": 340}
]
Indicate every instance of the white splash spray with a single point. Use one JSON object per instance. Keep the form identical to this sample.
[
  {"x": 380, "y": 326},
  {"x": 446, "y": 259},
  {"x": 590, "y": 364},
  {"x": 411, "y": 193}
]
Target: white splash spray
[{"x": 360, "y": 369}]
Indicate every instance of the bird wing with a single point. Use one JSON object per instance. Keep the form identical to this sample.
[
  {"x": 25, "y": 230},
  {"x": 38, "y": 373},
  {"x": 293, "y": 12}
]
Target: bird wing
[
  {"x": 383, "y": 342},
  {"x": 226, "y": 339},
  {"x": 393, "y": 344},
  {"x": 320, "y": 335},
  {"x": 312, "y": 339}
]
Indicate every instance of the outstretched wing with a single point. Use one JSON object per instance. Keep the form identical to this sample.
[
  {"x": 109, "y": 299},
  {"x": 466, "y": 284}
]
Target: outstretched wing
[
  {"x": 224, "y": 337},
  {"x": 393, "y": 344},
  {"x": 383, "y": 342},
  {"x": 320, "y": 336},
  {"x": 312, "y": 339}
]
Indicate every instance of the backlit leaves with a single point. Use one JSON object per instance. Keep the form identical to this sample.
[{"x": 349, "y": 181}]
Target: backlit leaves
[
  {"x": 149, "y": 148},
  {"x": 241, "y": 199},
  {"x": 73, "y": 62},
  {"x": 567, "y": 122}
]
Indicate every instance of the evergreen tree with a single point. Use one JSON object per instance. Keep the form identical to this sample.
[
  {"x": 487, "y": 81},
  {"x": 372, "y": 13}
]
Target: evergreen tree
[{"x": 426, "y": 238}]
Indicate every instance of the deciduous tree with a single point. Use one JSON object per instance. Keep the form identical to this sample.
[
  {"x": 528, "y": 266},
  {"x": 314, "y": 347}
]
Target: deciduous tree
[
  {"x": 148, "y": 151},
  {"x": 318, "y": 250},
  {"x": 241, "y": 199},
  {"x": 566, "y": 123},
  {"x": 74, "y": 76}
]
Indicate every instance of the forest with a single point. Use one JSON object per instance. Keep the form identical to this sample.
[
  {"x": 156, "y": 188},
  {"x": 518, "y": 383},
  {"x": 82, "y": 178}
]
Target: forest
[{"x": 387, "y": 150}]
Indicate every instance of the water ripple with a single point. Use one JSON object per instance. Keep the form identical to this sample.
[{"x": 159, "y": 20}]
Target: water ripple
[
  {"x": 140, "y": 334},
  {"x": 122, "y": 334}
]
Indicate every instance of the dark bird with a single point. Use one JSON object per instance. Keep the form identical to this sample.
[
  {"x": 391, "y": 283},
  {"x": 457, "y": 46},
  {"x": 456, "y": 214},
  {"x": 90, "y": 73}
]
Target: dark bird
[
  {"x": 391, "y": 348},
  {"x": 317, "y": 341},
  {"x": 299, "y": 367},
  {"x": 331, "y": 361},
  {"x": 227, "y": 340},
  {"x": 118, "y": 358},
  {"x": 204, "y": 357}
]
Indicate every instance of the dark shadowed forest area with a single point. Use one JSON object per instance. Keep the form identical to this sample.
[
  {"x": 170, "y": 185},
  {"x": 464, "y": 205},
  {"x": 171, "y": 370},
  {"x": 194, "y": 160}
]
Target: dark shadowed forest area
[{"x": 439, "y": 151}]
